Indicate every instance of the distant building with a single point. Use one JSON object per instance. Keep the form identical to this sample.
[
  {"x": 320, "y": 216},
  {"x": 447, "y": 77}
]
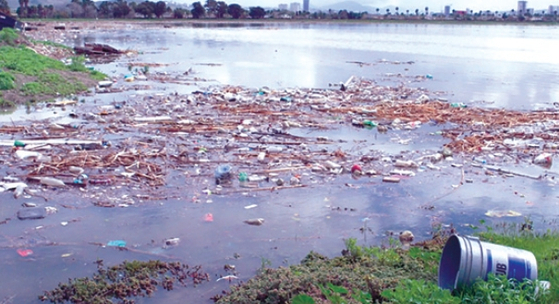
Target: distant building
[
  {"x": 306, "y": 5},
  {"x": 447, "y": 10},
  {"x": 295, "y": 7},
  {"x": 553, "y": 9},
  {"x": 521, "y": 11},
  {"x": 282, "y": 7}
]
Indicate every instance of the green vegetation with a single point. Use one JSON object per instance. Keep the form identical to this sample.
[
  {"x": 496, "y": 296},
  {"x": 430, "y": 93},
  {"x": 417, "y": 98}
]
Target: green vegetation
[
  {"x": 125, "y": 281},
  {"x": 31, "y": 76},
  {"x": 7, "y": 81},
  {"x": 52, "y": 84},
  {"x": 8, "y": 36},
  {"x": 391, "y": 275}
]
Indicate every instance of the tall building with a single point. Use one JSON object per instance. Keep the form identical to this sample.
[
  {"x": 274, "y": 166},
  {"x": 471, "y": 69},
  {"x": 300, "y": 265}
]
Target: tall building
[
  {"x": 283, "y": 7},
  {"x": 447, "y": 10},
  {"x": 553, "y": 9},
  {"x": 306, "y": 5},
  {"x": 521, "y": 8},
  {"x": 295, "y": 7}
]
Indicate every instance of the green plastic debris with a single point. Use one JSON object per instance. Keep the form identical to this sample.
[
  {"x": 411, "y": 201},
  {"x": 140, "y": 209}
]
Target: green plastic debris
[
  {"x": 458, "y": 105},
  {"x": 18, "y": 143},
  {"x": 117, "y": 243},
  {"x": 370, "y": 123},
  {"x": 243, "y": 177}
]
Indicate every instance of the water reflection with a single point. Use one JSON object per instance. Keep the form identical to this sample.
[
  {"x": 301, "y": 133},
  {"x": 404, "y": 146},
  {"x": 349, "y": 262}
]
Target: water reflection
[{"x": 505, "y": 65}]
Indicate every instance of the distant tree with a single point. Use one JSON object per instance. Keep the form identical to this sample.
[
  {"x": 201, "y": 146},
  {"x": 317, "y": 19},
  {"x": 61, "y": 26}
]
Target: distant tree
[
  {"x": 397, "y": 8},
  {"x": 416, "y": 11},
  {"x": 197, "y": 10},
  {"x": 4, "y": 7},
  {"x": 75, "y": 9},
  {"x": 408, "y": 12},
  {"x": 378, "y": 9},
  {"x": 146, "y": 8},
  {"x": 105, "y": 10},
  {"x": 235, "y": 10},
  {"x": 388, "y": 11},
  {"x": 426, "y": 10},
  {"x": 211, "y": 7},
  {"x": 355, "y": 15},
  {"x": 179, "y": 13},
  {"x": 221, "y": 9},
  {"x": 257, "y": 12},
  {"x": 160, "y": 9},
  {"x": 89, "y": 9},
  {"x": 121, "y": 9}
]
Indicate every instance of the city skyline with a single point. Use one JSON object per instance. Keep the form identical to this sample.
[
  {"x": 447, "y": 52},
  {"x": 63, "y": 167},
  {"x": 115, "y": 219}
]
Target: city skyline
[{"x": 434, "y": 5}]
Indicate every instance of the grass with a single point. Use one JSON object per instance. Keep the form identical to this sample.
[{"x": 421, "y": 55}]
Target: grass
[
  {"x": 48, "y": 76},
  {"x": 392, "y": 275}
]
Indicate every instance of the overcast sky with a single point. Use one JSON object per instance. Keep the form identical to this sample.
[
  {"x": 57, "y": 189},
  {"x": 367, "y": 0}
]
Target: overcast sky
[{"x": 434, "y": 5}]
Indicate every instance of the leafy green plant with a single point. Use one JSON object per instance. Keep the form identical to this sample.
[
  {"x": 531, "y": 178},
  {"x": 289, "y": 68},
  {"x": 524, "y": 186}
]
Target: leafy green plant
[
  {"x": 334, "y": 293},
  {"x": 499, "y": 289},
  {"x": 544, "y": 246},
  {"x": 8, "y": 36},
  {"x": 428, "y": 258},
  {"x": 7, "y": 81},
  {"x": 418, "y": 291},
  {"x": 302, "y": 299}
]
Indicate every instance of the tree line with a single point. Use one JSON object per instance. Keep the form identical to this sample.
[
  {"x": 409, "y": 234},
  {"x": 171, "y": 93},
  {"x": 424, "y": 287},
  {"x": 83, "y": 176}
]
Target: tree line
[{"x": 211, "y": 9}]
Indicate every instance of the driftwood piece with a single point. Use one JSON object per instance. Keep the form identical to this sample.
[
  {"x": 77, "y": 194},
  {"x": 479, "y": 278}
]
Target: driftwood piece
[{"x": 96, "y": 49}]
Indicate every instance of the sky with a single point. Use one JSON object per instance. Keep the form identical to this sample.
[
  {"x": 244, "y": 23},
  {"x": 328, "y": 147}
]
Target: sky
[{"x": 434, "y": 5}]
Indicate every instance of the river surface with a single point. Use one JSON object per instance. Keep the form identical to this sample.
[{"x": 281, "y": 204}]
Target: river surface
[
  {"x": 511, "y": 66},
  {"x": 508, "y": 66}
]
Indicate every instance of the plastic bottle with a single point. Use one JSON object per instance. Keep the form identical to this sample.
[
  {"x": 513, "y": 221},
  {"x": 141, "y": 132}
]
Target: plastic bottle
[
  {"x": 243, "y": 177},
  {"x": 51, "y": 181}
]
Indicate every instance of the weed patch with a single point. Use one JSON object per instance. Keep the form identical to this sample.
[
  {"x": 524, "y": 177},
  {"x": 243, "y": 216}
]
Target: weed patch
[{"x": 124, "y": 282}]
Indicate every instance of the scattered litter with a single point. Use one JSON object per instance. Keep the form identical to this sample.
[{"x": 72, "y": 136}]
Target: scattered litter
[
  {"x": 116, "y": 243},
  {"x": 405, "y": 164},
  {"x": 227, "y": 277},
  {"x": 24, "y": 252},
  {"x": 208, "y": 217},
  {"x": 50, "y": 210},
  {"x": 172, "y": 241},
  {"x": 255, "y": 222},
  {"x": 402, "y": 172},
  {"x": 33, "y": 213},
  {"x": 391, "y": 179},
  {"x": 508, "y": 213},
  {"x": 406, "y": 237},
  {"x": 251, "y": 206},
  {"x": 544, "y": 160}
]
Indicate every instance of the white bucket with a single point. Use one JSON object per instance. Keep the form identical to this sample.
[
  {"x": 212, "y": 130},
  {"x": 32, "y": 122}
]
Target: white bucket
[{"x": 466, "y": 258}]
